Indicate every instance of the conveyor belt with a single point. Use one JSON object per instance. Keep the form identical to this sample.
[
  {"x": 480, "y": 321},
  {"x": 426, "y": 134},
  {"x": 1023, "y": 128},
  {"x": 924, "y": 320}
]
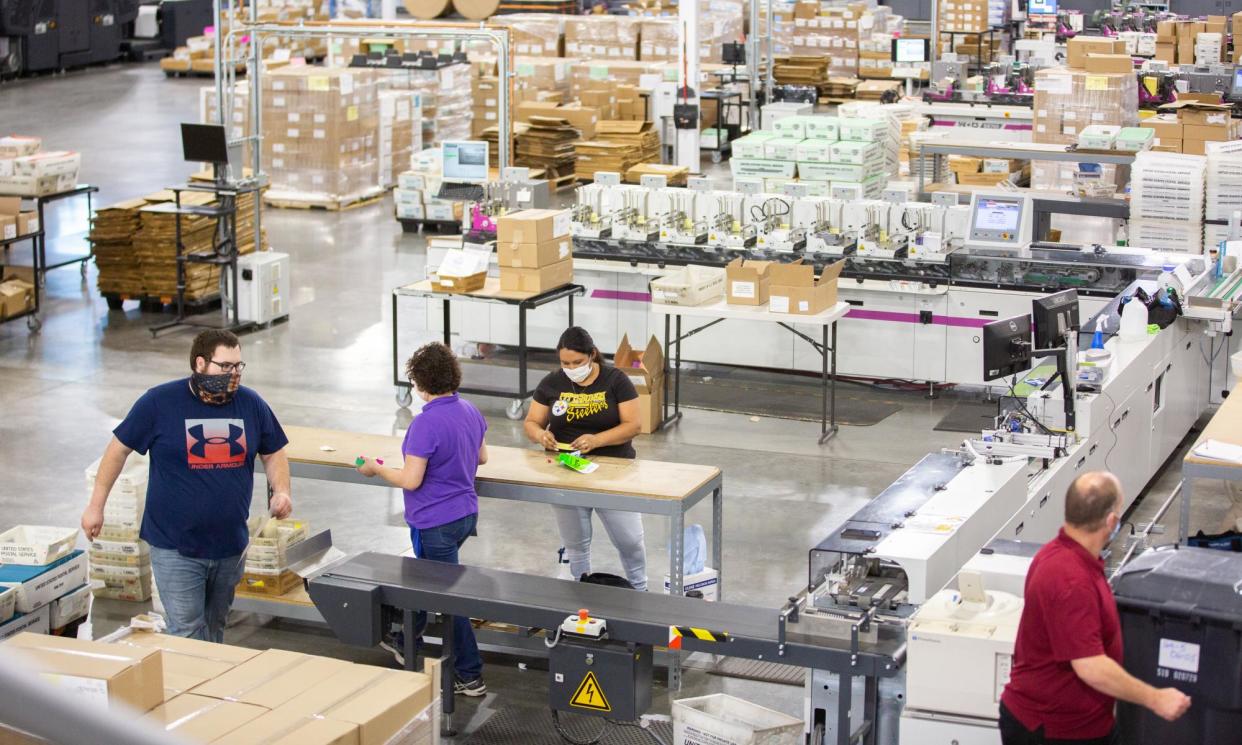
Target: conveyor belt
[{"x": 342, "y": 594}]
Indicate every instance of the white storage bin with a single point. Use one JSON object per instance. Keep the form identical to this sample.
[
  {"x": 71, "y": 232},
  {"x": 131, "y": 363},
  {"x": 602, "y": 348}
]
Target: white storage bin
[
  {"x": 36, "y": 544},
  {"x": 689, "y": 285},
  {"x": 8, "y": 603},
  {"x": 131, "y": 482},
  {"x": 724, "y": 720}
]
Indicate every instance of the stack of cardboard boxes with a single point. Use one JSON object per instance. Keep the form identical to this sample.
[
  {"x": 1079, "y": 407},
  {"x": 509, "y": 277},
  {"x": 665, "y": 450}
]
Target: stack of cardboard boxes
[
  {"x": 42, "y": 580},
  {"x": 267, "y": 561},
  {"x": 15, "y": 222},
  {"x": 120, "y": 560},
  {"x": 215, "y": 693},
  {"x": 415, "y": 195},
  {"x": 534, "y": 34},
  {"x": 16, "y": 291},
  {"x": 821, "y": 150},
  {"x": 602, "y": 37},
  {"x": 964, "y": 16},
  {"x": 1191, "y": 122},
  {"x": 1088, "y": 93},
  {"x": 1187, "y": 42},
  {"x": 320, "y": 135},
  {"x": 400, "y": 132},
  {"x": 27, "y": 171},
  {"x": 534, "y": 250}
]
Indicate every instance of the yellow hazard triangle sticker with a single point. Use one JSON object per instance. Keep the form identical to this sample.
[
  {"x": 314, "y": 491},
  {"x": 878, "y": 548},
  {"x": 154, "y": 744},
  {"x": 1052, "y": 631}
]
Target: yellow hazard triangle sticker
[{"x": 589, "y": 695}]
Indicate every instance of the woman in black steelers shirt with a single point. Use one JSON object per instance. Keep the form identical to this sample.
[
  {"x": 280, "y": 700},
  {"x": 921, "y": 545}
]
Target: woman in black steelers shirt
[{"x": 592, "y": 408}]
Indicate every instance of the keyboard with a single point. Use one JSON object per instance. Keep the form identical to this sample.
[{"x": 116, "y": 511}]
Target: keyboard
[{"x": 460, "y": 192}]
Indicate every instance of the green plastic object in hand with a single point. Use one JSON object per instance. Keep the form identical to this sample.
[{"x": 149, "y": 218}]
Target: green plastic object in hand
[{"x": 360, "y": 461}]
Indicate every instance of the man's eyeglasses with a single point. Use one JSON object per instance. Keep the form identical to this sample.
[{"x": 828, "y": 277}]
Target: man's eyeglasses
[{"x": 230, "y": 367}]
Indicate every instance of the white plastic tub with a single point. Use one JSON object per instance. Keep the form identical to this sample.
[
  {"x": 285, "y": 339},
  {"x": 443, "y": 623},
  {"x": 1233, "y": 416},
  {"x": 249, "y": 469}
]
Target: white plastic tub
[
  {"x": 36, "y": 544},
  {"x": 724, "y": 720}
]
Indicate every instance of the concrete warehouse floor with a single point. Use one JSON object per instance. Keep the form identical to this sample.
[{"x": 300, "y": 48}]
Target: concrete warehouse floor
[{"x": 63, "y": 390}]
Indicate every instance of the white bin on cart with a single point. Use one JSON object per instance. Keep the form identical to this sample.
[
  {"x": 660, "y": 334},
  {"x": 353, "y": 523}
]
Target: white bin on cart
[{"x": 724, "y": 720}]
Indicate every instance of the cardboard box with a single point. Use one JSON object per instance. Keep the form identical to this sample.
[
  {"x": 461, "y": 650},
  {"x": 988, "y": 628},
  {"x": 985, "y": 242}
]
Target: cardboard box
[
  {"x": 15, "y": 223},
  {"x": 1080, "y": 46},
  {"x": 747, "y": 282},
  {"x": 1166, "y": 51},
  {"x": 795, "y": 288},
  {"x": 1209, "y": 133},
  {"x": 284, "y": 726},
  {"x": 94, "y": 673},
  {"x": 689, "y": 285},
  {"x": 202, "y": 719},
  {"x": 537, "y": 280},
  {"x": 706, "y": 582},
  {"x": 379, "y": 702},
  {"x": 38, "y": 586},
  {"x": 461, "y": 271},
  {"x": 1166, "y": 128},
  {"x": 1193, "y": 147},
  {"x": 272, "y": 678},
  {"x": 1105, "y": 63},
  {"x": 1205, "y": 116},
  {"x": 532, "y": 226},
  {"x": 646, "y": 371},
  {"x": 188, "y": 663},
  {"x": 534, "y": 255}
]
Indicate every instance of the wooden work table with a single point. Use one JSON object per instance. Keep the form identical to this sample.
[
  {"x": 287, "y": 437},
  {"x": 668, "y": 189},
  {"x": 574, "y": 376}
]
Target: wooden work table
[
  {"x": 1225, "y": 426},
  {"x": 522, "y": 474}
]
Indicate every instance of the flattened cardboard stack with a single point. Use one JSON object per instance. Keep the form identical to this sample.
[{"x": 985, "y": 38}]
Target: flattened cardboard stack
[
  {"x": 216, "y": 693},
  {"x": 618, "y": 147},
  {"x": 548, "y": 143},
  {"x": 534, "y": 250},
  {"x": 676, "y": 175},
  {"x": 156, "y": 249},
  {"x": 320, "y": 135},
  {"x": 112, "y": 237}
]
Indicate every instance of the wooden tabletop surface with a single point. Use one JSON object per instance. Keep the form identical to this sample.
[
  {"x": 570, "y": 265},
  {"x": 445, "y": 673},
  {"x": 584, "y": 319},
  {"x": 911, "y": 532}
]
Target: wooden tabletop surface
[
  {"x": 648, "y": 479},
  {"x": 1225, "y": 426}
]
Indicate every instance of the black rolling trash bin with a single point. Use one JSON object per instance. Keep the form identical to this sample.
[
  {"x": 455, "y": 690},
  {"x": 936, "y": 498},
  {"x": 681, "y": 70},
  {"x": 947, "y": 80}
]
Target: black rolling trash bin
[{"x": 1181, "y": 618}]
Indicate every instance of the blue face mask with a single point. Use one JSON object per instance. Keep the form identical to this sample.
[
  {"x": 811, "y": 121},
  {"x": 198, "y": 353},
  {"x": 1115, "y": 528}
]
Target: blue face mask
[{"x": 1116, "y": 530}]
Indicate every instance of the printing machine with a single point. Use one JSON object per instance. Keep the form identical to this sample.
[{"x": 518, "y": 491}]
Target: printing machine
[{"x": 46, "y": 35}]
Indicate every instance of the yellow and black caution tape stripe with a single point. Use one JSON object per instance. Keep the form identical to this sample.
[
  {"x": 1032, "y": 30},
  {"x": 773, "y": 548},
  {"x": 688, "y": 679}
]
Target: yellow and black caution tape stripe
[{"x": 677, "y": 633}]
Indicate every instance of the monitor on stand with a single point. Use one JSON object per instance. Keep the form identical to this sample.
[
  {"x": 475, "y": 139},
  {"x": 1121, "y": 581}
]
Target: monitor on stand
[
  {"x": 1056, "y": 333},
  {"x": 1006, "y": 347},
  {"x": 206, "y": 143}
]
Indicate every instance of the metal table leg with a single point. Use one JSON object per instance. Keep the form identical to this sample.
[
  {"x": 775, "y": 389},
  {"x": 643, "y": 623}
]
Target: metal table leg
[
  {"x": 676, "y": 584},
  {"x": 523, "y": 353},
  {"x": 718, "y": 539},
  {"x": 448, "y": 324},
  {"x": 828, "y": 383},
  {"x": 448, "y": 675},
  {"x": 1183, "y": 523}
]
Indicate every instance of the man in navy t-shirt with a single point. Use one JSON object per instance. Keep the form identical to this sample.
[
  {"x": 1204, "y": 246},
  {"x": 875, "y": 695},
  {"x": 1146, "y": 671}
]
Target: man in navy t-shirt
[{"x": 202, "y": 433}]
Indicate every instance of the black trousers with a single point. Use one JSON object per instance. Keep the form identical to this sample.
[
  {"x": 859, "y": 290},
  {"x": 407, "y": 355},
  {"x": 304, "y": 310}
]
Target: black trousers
[{"x": 1014, "y": 733}]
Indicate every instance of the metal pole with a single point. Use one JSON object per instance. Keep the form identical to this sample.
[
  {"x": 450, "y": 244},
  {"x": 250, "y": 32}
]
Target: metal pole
[
  {"x": 1142, "y": 538},
  {"x": 752, "y": 65},
  {"x": 767, "y": 86},
  {"x": 32, "y": 705}
]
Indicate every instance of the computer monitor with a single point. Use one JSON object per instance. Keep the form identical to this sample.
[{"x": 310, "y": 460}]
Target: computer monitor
[
  {"x": 1000, "y": 221},
  {"x": 464, "y": 162},
  {"x": 205, "y": 143},
  {"x": 1235, "y": 90},
  {"x": 1055, "y": 316},
  {"x": 1041, "y": 7},
  {"x": 909, "y": 51},
  {"x": 1006, "y": 347}
]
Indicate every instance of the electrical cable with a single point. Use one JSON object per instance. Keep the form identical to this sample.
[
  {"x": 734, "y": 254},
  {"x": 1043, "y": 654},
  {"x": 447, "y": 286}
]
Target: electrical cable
[
  {"x": 560, "y": 730},
  {"x": 650, "y": 732},
  {"x": 556, "y": 639}
]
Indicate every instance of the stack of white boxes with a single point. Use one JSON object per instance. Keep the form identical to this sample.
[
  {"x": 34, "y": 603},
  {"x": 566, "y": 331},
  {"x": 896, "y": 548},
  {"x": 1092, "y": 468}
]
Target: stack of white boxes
[
  {"x": 1223, "y": 195},
  {"x": 823, "y": 151},
  {"x": 1166, "y": 203},
  {"x": 415, "y": 195},
  {"x": 120, "y": 561},
  {"x": 1208, "y": 48},
  {"x": 267, "y": 561},
  {"x": 42, "y": 580}
]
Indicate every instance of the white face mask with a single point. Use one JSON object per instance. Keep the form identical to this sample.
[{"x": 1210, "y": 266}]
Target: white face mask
[{"x": 578, "y": 374}]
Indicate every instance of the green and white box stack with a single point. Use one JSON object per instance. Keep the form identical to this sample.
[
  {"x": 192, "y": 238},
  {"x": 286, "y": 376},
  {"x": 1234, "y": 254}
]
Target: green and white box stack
[{"x": 120, "y": 562}]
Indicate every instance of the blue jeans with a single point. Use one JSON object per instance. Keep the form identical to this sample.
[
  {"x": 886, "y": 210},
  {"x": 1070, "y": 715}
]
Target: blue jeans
[
  {"x": 196, "y": 593},
  {"x": 441, "y": 544}
]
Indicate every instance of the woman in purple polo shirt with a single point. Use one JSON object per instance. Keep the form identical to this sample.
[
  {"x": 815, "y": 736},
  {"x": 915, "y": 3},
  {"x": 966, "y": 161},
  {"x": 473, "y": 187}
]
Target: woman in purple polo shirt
[{"x": 443, "y": 449}]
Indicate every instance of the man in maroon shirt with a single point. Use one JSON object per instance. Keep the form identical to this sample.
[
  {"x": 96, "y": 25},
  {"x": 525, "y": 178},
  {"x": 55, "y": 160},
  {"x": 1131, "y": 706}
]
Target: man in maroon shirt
[{"x": 1067, "y": 671}]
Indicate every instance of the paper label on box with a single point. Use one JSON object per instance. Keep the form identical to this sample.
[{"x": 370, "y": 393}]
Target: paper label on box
[
  {"x": 318, "y": 83},
  {"x": 1097, "y": 83},
  {"x": 278, "y": 85},
  {"x": 561, "y": 224},
  {"x": 347, "y": 84},
  {"x": 351, "y": 114},
  {"x": 278, "y": 102},
  {"x": 91, "y": 691},
  {"x": 1054, "y": 84},
  {"x": 1177, "y": 655},
  {"x": 803, "y": 306},
  {"x": 778, "y": 304},
  {"x": 238, "y": 117},
  {"x": 525, "y": 69},
  {"x": 281, "y": 55},
  {"x": 598, "y": 72},
  {"x": 743, "y": 290},
  {"x": 318, "y": 134},
  {"x": 278, "y": 147},
  {"x": 562, "y": 250},
  {"x": 320, "y": 118},
  {"x": 1004, "y": 668},
  {"x": 291, "y": 133},
  {"x": 278, "y": 162}
]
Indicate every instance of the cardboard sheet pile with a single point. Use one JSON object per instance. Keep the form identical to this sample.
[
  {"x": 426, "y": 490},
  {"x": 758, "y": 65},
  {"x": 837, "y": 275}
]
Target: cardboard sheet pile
[
  {"x": 216, "y": 693},
  {"x": 617, "y": 147},
  {"x": 548, "y": 143},
  {"x": 26, "y": 170},
  {"x": 43, "y": 580},
  {"x": 120, "y": 562}
]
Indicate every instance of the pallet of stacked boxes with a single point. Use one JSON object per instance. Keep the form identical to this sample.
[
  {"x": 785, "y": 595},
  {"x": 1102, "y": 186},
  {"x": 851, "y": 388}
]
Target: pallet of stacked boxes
[
  {"x": 400, "y": 132},
  {"x": 445, "y": 99},
  {"x": 267, "y": 562},
  {"x": 1067, "y": 100},
  {"x": 534, "y": 250},
  {"x": 200, "y": 692},
  {"x": 43, "y": 580},
  {"x": 823, "y": 151},
  {"x": 534, "y": 34},
  {"x": 321, "y": 137},
  {"x": 602, "y": 37}
]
